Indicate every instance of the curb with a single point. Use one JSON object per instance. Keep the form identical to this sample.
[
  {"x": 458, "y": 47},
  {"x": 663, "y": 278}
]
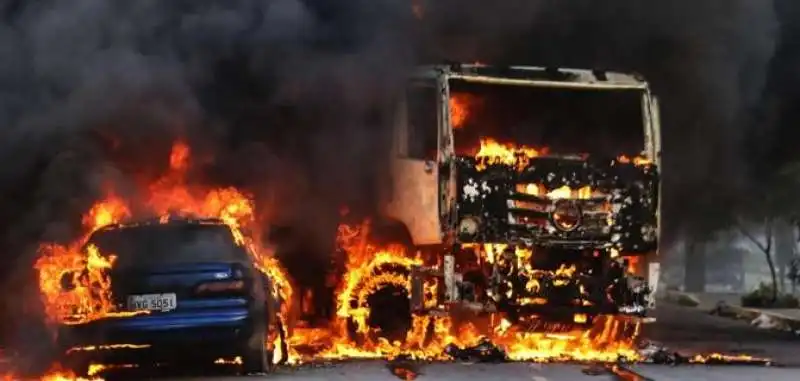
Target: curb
[
  {"x": 779, "y": 321},
  {"x": 676, "y": 297}
]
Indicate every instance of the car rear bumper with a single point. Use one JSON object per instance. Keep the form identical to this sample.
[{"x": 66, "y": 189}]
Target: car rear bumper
[{"x": 209, "y": 332}]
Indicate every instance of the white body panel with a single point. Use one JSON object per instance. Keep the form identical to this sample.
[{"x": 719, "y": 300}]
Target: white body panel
[{"x": 415, "y": 200}]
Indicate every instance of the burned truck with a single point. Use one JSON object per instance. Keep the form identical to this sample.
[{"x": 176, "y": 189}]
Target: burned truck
[{"x": 528, "y": 191}]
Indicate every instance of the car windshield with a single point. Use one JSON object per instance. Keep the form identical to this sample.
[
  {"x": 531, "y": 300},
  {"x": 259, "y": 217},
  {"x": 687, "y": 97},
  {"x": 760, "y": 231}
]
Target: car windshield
[{"x": 169, "y": 244}]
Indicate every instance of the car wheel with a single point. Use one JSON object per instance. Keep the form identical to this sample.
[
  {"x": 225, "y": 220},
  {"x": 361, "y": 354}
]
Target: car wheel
[
  {"x": 257, "y": 359},
  {"x": 79, "y": 366}
]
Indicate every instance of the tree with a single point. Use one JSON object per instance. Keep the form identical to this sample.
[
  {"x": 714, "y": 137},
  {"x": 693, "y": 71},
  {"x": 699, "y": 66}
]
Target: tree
[
  {"x": 766, "y": 248},
  {"x": 794, "y": 273},
  {"x": 785, "y": 250},
  {"x": 769, "y": 203}
]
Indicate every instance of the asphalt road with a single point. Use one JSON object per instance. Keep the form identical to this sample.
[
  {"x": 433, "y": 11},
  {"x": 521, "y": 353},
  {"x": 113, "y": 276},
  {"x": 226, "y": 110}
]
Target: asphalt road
[
  {"x": 377, "y": 371},
  {"x": 688, "y": 330},
  {"x": 684, "y": 330}
]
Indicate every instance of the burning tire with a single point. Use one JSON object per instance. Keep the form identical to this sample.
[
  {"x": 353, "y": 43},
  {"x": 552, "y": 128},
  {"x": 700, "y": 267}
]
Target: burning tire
[
  {"x": 390, "y": 312},
  {"x": 377, "y": 305}
]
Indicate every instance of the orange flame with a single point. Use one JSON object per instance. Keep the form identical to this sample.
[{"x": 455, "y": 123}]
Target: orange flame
[
  {"x": 638, "y": 160},
  {"x": 460, "y": 108},
  {"x": 564, "y": 192},
  {"x": 370, "y": 268},
  {"x": 492, "y": 153},
  {"x": 89, "y": 297}
]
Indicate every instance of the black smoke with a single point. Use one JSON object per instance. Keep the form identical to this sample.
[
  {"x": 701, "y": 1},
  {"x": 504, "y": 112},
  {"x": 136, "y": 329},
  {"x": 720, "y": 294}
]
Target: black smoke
[
  {"x": 277, "y": 97},
  {"x": 283, "y": 94},
  {"x": 706, "y": 60}
]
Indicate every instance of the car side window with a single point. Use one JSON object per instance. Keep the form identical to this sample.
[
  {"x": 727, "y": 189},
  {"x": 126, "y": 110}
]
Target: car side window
[{"x": 422, "y": 119}]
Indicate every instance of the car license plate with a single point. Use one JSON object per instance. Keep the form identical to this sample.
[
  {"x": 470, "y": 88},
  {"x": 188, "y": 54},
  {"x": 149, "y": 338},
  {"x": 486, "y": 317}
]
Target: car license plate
[{"x": 152, "y": 302}]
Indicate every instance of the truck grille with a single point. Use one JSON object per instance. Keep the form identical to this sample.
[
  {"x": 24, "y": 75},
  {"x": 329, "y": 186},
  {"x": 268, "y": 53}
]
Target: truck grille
[{"x": 531, "y": 209}]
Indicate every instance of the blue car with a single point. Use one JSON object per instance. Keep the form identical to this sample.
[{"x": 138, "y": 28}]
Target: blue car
[{"x": 203, "y": 296}]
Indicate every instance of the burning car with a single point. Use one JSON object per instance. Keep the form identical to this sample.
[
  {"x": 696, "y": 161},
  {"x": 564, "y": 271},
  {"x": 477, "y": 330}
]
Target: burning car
[
  {"x": 182, "y": 288},
  {"x": 530, "y": 192}
]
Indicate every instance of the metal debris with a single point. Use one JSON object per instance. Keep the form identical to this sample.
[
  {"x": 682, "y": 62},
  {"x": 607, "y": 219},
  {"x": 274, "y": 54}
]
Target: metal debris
[
  {"x": 484, "y": 351},
  {"x": 630, "y": 191},
  {"x": 595, "y": 370},
  {"x": 657, "y": 353},
  {"x": 622, "y": 373},
  {"x": 403, "y": 368}
]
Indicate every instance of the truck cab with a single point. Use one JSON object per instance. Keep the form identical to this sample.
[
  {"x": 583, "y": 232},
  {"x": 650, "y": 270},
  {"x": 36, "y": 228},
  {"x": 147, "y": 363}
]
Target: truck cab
[{"x": 553, "y": 158}]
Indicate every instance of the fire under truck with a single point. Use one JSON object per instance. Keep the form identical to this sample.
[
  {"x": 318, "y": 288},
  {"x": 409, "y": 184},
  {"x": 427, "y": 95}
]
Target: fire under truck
[{"x": 528, "y": 191}]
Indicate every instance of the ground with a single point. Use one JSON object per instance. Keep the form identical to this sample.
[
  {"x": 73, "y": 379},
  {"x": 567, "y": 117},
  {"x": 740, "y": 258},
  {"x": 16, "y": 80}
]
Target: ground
[
  {"x": 683, "y": 329},
  {"x": 693, "y": 330},
  {"x": 532, "y": 372}
]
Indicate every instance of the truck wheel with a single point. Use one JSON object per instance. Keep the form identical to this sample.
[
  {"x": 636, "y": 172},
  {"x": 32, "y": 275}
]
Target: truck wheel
[{"x": 390, "y": 315}]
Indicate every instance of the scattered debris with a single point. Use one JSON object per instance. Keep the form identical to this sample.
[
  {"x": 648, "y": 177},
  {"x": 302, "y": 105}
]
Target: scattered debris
[
  {"x": 764, "y": 321},
  {"x": 755, "y": 318},
  {"x": 625, "y": 374},
  {"x": 484, "y": 351},
  {"x": 721, "y": 309},
  {"x": 595, "y": 370},
  {"x": 647, "y": 352},
  {"x": 403, "y": 368},
  {"x": 657, "y": 353}
]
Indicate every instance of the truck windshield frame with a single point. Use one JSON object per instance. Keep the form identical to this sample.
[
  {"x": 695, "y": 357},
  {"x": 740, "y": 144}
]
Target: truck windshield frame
[{"x": 592, "y": 111}]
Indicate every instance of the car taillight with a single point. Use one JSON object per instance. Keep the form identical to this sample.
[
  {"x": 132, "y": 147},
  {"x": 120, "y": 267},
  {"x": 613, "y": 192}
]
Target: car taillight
[{"x": 221, "y": 287}]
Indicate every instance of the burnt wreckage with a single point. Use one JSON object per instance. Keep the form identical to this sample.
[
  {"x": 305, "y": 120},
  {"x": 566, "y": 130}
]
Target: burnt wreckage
[
  {"x": 502, "y": 227},
  {"x": 620, "y": 213},
  {"x": 617, "y": 217}
]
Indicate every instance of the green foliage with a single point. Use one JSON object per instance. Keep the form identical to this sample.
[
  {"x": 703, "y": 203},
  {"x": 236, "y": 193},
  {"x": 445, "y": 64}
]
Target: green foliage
[{"x": 762, "y": 296}]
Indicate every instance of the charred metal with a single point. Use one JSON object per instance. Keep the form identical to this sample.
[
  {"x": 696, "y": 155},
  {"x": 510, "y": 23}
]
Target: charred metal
[{"x": 620, "y": 213}]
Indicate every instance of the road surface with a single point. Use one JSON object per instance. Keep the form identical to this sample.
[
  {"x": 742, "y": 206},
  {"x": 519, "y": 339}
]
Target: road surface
[
  {"x": 377, "y": 371},
  {"x": 689, "y": 330},
  {"x": 682, "y": 329}
]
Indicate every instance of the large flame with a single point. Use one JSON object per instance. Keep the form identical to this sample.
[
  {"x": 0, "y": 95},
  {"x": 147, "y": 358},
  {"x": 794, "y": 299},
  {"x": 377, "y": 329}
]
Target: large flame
[
  {"x": 461, "y": 105},
  {"x": 370, "y": 268},
  {"x": 73, "y": 280},
  {"x": 85, "y": 268},
  {"x": 492, "y": 152}
]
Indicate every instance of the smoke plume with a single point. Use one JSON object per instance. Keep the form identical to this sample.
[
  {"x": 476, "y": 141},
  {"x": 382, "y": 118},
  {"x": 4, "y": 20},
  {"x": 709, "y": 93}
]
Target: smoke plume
[
  {"x": 276, "y": 97},
  {"x": 283, "y": 94},
  {"x": 706, "y": 60},
  {"x": 94, "y": 90}
]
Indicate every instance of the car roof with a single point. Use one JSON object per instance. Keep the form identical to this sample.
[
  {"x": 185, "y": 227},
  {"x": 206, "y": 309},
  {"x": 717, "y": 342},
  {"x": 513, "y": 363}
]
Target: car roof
[{"x": 164, "y": 221}]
